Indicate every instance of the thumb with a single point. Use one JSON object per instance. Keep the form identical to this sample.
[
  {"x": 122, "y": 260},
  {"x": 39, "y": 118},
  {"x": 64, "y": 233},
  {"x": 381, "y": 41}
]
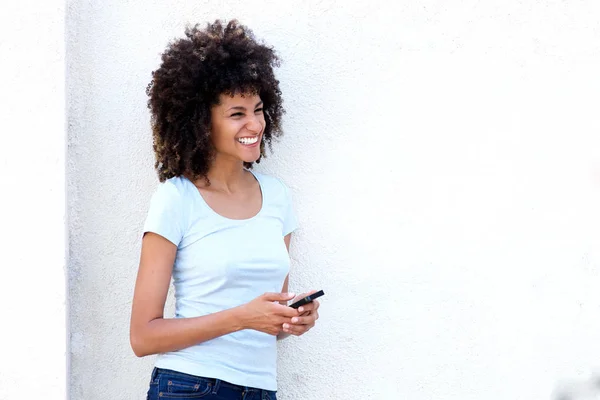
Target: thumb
[{"x": 278, "y": 296}]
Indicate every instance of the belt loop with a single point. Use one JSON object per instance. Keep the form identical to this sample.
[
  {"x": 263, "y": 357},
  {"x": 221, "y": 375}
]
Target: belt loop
[{"x": 216, "y": 386}]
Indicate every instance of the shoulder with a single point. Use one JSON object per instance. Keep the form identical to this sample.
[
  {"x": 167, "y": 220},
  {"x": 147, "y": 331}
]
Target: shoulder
[
  {"x": 272, "y": 184},
  {"x": 173, "y": 190},
  {"x": 169, "y": 210}
]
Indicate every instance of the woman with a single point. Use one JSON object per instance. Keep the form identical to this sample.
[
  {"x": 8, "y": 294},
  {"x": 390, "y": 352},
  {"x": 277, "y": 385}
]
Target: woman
[{"x": 219, "y": 230}]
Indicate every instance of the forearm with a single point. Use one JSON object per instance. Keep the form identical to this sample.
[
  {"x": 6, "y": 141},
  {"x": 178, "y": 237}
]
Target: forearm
[{"x": 163, "y": 335}]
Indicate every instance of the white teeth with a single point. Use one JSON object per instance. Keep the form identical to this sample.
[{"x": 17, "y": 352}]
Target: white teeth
[{"x": 247, "y": 140}]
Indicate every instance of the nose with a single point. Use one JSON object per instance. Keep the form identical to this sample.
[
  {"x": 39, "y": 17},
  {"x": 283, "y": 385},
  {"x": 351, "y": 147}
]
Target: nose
[{"x": 254, "y": 125}]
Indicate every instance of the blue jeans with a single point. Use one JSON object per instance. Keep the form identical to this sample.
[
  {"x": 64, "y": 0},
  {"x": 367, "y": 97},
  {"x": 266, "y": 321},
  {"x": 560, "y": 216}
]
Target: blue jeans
[{"x": 167, "y": 384}]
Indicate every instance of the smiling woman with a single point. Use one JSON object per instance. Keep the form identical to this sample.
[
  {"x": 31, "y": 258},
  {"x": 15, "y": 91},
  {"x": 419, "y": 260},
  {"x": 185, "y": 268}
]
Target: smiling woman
[
  {"x": 238, "y": 123},
  {"x": 220, "y": 231},
  {"x": 214, "y": 75}
]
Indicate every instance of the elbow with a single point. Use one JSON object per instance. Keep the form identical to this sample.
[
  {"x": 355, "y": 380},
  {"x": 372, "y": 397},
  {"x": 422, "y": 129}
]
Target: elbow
[
  {"x": 142, "y": 340},
  {"x": 138, "y": 345},
  {"x": 139, "y": 351}
]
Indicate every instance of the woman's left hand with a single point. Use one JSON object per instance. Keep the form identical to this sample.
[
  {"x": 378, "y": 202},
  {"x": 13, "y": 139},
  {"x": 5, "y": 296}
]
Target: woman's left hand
[{"x": 309, "y": 314}]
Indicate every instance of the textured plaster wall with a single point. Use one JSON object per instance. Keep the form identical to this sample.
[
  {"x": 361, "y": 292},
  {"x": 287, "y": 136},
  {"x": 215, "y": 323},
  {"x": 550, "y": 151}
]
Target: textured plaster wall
[
  {"x": 33, "y": 328},
  {"x": 445, "y": 162}
]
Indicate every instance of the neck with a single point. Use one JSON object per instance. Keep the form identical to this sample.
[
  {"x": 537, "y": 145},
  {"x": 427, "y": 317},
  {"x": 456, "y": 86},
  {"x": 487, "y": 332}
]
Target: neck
[{"x": 226, "y": 174}]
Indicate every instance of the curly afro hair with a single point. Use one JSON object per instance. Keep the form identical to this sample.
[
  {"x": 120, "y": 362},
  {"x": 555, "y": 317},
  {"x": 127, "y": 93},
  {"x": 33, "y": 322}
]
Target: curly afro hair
[{"x": 194, "y": 72}]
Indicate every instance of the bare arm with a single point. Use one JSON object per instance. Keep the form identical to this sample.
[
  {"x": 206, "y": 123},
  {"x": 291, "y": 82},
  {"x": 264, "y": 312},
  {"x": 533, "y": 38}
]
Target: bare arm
[
  {"x": 285, "y": 287},
  {"x": 287, "y": 238},
  {"x": 308, "y": 314},
  {"x": 151, "y": 333}
]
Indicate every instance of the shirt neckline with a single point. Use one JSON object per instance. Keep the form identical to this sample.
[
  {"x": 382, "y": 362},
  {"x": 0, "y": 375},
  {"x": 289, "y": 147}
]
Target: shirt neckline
[{"x": 210, "y": 209}]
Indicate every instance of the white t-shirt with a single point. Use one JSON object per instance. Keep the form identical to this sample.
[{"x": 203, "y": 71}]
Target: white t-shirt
[{"x": 220, "y": 264}]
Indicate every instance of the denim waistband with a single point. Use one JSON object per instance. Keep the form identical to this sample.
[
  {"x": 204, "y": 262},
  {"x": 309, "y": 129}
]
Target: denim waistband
[{"x": 217, "y": 383}]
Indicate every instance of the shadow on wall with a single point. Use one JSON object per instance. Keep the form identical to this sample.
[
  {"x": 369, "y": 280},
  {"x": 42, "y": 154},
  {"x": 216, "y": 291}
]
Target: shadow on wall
[{"x": 587, "y": 390}]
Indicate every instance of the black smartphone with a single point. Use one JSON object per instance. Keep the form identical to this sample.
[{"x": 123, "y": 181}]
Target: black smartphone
[{"x": 307, "y": 299}]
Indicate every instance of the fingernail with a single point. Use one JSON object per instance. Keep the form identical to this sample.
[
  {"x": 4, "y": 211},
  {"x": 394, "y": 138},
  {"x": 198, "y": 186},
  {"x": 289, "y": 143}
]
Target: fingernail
[
  {"x": 286, "y": 326},
  {"x": 301, "y": 309},
  {"x": 294, "y": 320}
]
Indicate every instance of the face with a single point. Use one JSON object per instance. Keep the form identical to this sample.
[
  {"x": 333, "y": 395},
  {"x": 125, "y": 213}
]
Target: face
[{"x": 238, "y": 124}]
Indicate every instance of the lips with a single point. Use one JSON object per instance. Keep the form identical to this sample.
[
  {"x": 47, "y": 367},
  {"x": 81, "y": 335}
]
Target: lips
[{"x": 249, "y": 141}]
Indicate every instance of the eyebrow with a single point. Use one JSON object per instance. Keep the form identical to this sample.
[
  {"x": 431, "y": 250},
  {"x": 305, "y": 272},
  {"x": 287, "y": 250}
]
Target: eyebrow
[{"x": 244, "y": 108}]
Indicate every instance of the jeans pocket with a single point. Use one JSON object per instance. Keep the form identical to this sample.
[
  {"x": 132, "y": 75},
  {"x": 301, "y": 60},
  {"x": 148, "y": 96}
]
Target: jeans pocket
[{"x": 182, "y": 386}]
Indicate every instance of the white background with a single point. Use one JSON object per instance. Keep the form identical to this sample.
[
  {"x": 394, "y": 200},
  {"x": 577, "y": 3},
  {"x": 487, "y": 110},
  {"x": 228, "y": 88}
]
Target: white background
[
  {"x": 445, "y": 163},
  {"x": 33, "y": 237}
]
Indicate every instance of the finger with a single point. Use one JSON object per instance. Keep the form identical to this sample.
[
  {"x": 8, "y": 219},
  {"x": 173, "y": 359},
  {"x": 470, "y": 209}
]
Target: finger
[
  {"x": 313, "y": 305},
  {"x": 303, "y": 320},
  {"x": 303, "y": 295},
  {"x": 285, "y": 311},
  {"x": 316, "y": 304},
  {"x": 283, "y": 320},
  {"x": 296, "y": 330},
  {"x": 313, "y": 314},
  {"x": 306, "y": 308},
  {"x": 278, "y": 296}
]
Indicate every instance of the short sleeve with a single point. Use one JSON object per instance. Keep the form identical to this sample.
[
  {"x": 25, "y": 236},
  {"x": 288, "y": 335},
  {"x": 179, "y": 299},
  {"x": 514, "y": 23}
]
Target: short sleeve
[
  {"x": 290, "y": 222},
  {"x": 165, "y": 215}
]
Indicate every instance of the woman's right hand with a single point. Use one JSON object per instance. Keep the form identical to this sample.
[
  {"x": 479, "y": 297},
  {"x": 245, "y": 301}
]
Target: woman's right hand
[{"x": 265, "y": 314}]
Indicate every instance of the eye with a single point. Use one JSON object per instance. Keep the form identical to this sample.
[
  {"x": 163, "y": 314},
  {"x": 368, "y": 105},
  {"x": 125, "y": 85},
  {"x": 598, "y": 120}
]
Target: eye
[
  {"x": 258, "y": 110},
  {"x": 238, "y": 114}
]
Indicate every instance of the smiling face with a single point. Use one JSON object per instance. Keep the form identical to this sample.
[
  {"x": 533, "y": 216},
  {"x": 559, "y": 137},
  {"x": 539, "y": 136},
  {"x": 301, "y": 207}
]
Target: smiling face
[{"x": 237, "y": 126}]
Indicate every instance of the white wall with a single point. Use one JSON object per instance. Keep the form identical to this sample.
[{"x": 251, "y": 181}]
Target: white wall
[
  {"x": 445, "y": 161},
  {"x": 33, "y": 329}
]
